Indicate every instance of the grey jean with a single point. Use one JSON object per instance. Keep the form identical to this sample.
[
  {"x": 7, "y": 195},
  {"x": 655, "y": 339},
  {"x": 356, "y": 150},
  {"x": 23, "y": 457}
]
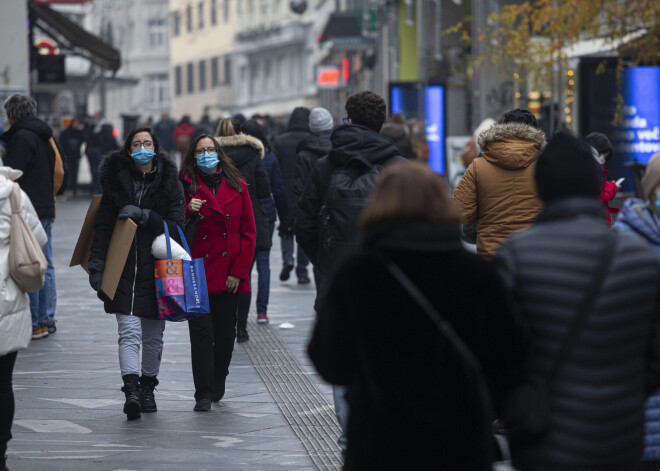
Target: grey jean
[{"x": 133, "y": 331}]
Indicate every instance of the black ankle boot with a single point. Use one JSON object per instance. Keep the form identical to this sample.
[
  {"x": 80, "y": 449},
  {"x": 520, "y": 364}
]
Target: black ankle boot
[
  {"x": 132, "y": 391},
  {"x": 3, "y": 459},
  {"x": 147, "y": 399}
]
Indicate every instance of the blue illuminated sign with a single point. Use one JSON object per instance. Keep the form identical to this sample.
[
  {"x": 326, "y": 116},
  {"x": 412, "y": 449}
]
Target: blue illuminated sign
[{"x": 404, "y": 100}]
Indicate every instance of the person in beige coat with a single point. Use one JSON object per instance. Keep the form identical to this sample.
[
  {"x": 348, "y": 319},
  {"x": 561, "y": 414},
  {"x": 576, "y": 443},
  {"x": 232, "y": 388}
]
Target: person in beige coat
[
  {"x": 15, "y": 316},
  {"x": 498, "y": 191}
]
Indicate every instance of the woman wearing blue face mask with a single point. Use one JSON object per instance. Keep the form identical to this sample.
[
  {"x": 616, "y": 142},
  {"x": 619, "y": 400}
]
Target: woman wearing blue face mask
[
  {"x": 140, "y": 182},
  {"x": 220, "y": 209},
  {"x": 641, "y": 218}
]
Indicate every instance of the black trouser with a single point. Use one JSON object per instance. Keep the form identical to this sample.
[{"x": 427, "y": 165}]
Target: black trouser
[
  {"x": 211, "y": 344},
  {"x": 244, "y": 301},
  {"x": 6, "y": 399}
]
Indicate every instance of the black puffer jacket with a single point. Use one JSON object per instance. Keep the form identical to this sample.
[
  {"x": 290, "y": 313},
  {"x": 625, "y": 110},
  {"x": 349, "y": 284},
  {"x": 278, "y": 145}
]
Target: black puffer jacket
[
  {"x": 28, "y": 150},
  {"x": 310, "y": 150},
  {"x": 597, "y": 398},
  {"x": 351, "y": 144},
  {"x": 247, "y": 153},
  {"x": 160, "y": 191},
  {"x": 285, "y": 148}
]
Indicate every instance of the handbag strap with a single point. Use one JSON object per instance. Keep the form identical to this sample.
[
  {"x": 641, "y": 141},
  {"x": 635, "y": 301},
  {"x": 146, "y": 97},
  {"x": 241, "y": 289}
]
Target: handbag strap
[
  {"x": 585, "y": 307},
  {"x": 15, "y": 199},
  {"x": 168, "y": 243}
]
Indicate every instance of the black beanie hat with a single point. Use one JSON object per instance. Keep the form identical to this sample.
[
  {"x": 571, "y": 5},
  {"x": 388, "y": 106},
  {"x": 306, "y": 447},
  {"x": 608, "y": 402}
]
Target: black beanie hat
[{"x": 566, "y": 167}]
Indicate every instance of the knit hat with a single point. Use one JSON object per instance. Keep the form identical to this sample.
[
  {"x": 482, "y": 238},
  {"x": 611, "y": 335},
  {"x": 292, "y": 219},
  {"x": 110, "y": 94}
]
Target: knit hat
[
  {"x": 566, "y": 167},
  {"x": 651, "y": 177},
  {"x": 320, "y": 119}
]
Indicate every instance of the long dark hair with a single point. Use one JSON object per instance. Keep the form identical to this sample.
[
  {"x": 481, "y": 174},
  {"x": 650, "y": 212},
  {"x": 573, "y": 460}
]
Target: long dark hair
[
  {"x": 127, "y": 143},
  {"x": 254, "y": 129},
  {"x": 189, "y": 166}
]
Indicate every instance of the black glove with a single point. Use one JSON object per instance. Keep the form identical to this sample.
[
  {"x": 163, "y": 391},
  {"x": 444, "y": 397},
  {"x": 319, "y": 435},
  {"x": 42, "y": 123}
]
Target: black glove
[
  {"x": 95, "y": 280},
  {"x": 138, "y": 215},
  {"x": 284, "y": 229}
]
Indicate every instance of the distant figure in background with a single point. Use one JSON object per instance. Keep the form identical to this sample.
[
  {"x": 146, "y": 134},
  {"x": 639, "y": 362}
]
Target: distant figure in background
[
  {"x": 164, "y": 130},
  {"x": 497, "y": 191},
  {"x": 397, "y": 130},
  {"x": 183, "y": 135},
  {"x": 100, "y": 141},
  {"x": 604, "y": 149},
  {"x": 641, "y": 218},
  {"x": 247, "y": 153},
  {"x": 285, "y": 147},
  {"x": 270, "y": 204},
  {"x": 71, "y": 139},
  {"x": 203, "y": 127},
  {"x": 420, "y": 146}
]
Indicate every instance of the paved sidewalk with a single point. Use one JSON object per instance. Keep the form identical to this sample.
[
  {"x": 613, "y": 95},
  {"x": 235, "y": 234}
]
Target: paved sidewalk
[{"x": 277, "y": 413}]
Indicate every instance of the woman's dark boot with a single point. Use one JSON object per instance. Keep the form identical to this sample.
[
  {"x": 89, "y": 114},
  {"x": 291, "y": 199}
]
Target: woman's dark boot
[
  {"x": 147, "y": 399},
  {"x": 132, "y": 391},
  {"x": 3, "y": 458}
]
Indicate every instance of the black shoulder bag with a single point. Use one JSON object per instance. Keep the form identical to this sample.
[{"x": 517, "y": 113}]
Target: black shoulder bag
[{"x": 527, "y": 412}]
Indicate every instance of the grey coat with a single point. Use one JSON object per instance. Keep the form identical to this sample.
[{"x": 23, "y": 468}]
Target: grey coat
[{"x": 597, "y": 398}]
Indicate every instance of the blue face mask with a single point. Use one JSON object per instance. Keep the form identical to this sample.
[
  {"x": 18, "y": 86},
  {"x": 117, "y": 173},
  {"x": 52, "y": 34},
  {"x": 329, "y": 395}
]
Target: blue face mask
[
  {"x": 207, "y": 162},
  {"x": 657, "y": 199},
  {"x": 143, "y": 156}
]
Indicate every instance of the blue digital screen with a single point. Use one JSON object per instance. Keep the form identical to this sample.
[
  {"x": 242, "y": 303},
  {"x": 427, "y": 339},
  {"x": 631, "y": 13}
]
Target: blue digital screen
[{"x": 404, "y": 100}]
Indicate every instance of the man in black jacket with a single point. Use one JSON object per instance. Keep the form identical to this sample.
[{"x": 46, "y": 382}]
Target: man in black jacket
[
  {"x": 285, "y": 147},
  {"x": 596, "y": 399},
  {"x": 358, "y": 146},
  {"x": 29, "y": 149}
]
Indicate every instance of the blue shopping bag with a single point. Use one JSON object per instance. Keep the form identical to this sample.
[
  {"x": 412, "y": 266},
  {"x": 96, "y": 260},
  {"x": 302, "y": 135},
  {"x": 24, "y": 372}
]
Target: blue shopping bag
[{"x": 181, "y": 290}]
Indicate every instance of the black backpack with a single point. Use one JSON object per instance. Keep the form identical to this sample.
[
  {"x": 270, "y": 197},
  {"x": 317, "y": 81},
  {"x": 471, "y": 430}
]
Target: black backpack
[{"x": 348, "y": 190}]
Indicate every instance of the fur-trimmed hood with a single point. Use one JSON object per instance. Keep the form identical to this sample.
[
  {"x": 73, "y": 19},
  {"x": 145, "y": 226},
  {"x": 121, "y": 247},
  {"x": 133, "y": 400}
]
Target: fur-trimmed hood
[
  {"x": 512, "y": 145},
  {"x": 115, "y": 176},
  {"x": 241, "y": 140}
]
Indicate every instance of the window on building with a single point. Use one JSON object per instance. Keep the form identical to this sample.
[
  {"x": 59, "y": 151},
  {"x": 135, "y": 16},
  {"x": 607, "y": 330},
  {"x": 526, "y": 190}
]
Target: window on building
[
  {"x": 268, "y": 80},
  {"x": 157, "y": 34},
  {"x": 189, "y": 19},
  {"x": 227, "y": 70},
  {"x": 214, "y": 12},
  {"x": 225, "y": 10},
  {"x": 176, "y": 23},
  {"x": 190, "y": 76},
  {"x": 178, "y": 78},
  {"x": 158, "y": 90},
  {"x": 202, "y": 75},
  {"x": 409, "y": 6},
  {"x": 215, "y": 72},
  {"x": 200, "y": 15},
  {"x": 264, "y": 10}
]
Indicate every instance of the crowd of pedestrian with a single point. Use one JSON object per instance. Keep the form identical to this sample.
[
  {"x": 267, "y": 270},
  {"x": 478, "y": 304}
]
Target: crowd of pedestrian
[{"x": 546, "y": 339}]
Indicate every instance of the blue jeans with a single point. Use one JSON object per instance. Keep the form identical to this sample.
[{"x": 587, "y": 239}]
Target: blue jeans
[
  {"x": 43, "y": 302},
  {"x": 342, "y": 411},
  {"x": 263, "y": 271},
  {"x": 287, "y": 256}
]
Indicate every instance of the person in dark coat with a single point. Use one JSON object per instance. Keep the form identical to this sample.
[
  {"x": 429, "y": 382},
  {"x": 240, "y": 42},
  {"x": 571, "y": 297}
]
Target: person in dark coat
[
  {"x": 397, "y": 130},
  {"x": 71, "y": 140},
  {"x": 407, "y": 409},
  {"x": 596, "y": 399},
  {"x": 30, "y": 149},
  {"x": 285, "y": 147},
  {"x": 641, "y": 218},
  {"x": 164, "y": 130},
  {"x": 273, "y": 206},
  {"x": 247, "y": 153},
  {"x": 220, "y": 207},
  {"x": 139, "y": 182},
  {"x": 100, "y": 141}
]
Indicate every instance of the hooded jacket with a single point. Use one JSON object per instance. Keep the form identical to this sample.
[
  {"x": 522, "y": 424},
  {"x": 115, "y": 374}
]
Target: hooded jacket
[
  {"x": 310, "y": 150},
  {"x": 285, "y": 148},
  {"x": 160, "y": 192},
  {"x": 352, "y": 144},
  {"x": 29, "y": 151},
  {"x": 498, "y": 191},
  {"x": 597, "y": 397},
  {"x": 15, "y": 317},
  {"x": 640, "y": 220},
  {"x": 247, "y": 153}
]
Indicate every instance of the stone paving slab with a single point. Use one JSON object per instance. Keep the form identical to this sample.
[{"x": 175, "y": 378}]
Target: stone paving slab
[{"x": 68, "y": 402}]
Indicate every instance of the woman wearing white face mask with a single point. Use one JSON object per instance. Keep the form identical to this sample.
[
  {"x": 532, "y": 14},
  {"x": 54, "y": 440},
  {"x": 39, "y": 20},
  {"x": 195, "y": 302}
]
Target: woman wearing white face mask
[
  {"x": 140, "y": 182},
  {"x": 641, "y": 218},
  {"x": 219, "y": 207}
]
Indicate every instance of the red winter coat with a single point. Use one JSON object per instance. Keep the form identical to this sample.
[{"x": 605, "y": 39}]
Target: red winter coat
[{"x": 226, "y": 235}]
